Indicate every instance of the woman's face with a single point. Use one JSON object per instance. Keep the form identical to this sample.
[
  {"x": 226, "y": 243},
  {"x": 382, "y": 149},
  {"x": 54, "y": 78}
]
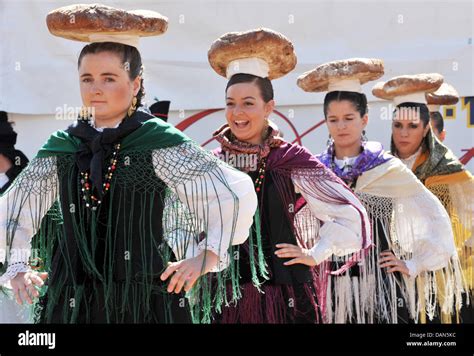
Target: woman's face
[
  {"x": 5, "y": 164},
  {"x": 246, "y": 112},
  {"x": 345, "y": 125},
  {"x": 106, "y": 86},
  {"x": 440, "y": 135},
  {"x": 408, "y": 131}
]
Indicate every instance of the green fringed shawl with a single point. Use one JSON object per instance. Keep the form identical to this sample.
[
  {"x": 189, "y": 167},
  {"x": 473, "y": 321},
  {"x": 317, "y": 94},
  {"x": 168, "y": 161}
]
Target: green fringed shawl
[
  {"x": 441, "y": 160},
  {"x": 83, "y": 250},
  {"x": 153, "y": 134}
]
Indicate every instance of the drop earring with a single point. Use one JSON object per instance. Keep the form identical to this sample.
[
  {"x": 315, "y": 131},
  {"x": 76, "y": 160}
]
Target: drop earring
[
  {"x": 265, "y": 131},
  {"x": 133, "y": 107},
  {"x": 364, "y": 137},
  {"x": 330, "y": 141}
]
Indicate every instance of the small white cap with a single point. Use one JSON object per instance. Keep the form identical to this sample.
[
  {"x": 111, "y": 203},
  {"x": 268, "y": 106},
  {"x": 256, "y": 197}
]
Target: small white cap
[
  {"x": 124, "y": 39},
  {"x": 433, "y": 107},
  {"x": 254, "y": 66},
  {"x": 345, "y": 85},
  {"x": 418, "y": 97}
]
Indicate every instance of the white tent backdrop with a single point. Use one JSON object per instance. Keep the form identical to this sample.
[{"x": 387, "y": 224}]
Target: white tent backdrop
[{"x": 38, "y": 75}]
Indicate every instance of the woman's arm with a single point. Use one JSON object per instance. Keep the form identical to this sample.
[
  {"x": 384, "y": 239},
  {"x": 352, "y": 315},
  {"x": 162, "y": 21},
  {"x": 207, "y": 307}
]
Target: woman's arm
[
  {"x": 424, "y": 230},
  {"x": 216, "y": 204},
  {"x": 22, "y": 207},
  {"x": 344, "y": 219}
]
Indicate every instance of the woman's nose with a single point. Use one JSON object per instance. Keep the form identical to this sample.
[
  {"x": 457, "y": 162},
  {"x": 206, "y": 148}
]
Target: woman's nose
[
  {"x": 238, "y": 110},
  {"x": 95, "y": 89}
]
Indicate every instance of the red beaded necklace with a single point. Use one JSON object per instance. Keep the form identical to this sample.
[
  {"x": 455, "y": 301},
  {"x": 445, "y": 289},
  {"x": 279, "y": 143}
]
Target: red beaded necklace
[
  {"x": 90, "y": 199},
  {"x": 260, "y": 176}
]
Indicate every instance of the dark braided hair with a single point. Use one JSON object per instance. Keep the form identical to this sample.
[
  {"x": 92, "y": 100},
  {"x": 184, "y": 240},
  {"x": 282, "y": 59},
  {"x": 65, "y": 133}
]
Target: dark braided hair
[
  {"x": 437, "y": 120},
  {"x": 359, "y": 100},
  {"x": 129, "y": 55},
  {"x": 263, "y": 84},
  {"x": 424, "y": 112}
]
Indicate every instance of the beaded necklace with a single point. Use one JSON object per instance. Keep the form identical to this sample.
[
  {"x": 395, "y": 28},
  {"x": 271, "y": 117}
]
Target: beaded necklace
[
  {"x": 260, "y": 175},
  {"x": 91, "y": 200}
]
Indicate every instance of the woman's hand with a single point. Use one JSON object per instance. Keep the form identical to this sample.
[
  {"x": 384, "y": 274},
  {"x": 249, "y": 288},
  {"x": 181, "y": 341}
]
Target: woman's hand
[
  {"x": 24, "y": 286},
  {"x": 388, "y": 260},
  {"x": 299, "y": 255},
  {"x": 186, "y": 272}
]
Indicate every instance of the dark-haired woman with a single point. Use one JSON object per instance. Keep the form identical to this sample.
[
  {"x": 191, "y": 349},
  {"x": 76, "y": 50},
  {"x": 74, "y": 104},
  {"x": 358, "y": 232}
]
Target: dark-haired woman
[
  {"x": 408, "y": 222},
  {"x": 119, "y": 185},
  {"x": 12, "y": 162},
  {"x": 305, "y": 213},
  {"x": 440, "y": 171}
]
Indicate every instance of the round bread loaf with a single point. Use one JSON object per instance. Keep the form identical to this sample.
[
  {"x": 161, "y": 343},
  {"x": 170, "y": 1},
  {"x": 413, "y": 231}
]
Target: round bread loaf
[
  {"x": 362, "y": 69},
  {"x": 78, "y": 22},
  {"x": 445, "y": 95},
  {"x": 268, "y": 45},
  {"x": 408, "y": 84}
]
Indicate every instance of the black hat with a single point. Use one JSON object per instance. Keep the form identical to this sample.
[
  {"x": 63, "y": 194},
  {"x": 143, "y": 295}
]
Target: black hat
[{"x": 160, "y": 109}]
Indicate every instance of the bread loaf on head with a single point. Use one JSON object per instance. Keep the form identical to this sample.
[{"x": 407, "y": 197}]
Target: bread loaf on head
[
  {"x": 445, "y": 95},
  {"x": 408, "y": 84},
  {"x": 81, "y": 22},
  {"x": 320, "y": 78},
  {"x": 267, "y": 45},
  {"x": 377, "y": 89}
]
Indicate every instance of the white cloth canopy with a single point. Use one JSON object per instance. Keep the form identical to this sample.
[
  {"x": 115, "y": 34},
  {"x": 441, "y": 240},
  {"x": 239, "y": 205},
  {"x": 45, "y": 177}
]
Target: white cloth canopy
[{"x": 38, "y": 71}]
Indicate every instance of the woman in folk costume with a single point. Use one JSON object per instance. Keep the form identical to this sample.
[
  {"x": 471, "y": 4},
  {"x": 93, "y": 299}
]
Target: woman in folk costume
[
  {"x": 410, "y": 229},
  {"x": 12, "y": 162},
  {"x": 296, "y": 193},
  {"x": 118, "y": 185},
  {"x": 441, "y": 172}
]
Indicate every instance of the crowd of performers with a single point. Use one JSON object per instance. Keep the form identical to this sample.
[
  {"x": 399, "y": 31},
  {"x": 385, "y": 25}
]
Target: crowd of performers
[{"x": 122, "y": 218}]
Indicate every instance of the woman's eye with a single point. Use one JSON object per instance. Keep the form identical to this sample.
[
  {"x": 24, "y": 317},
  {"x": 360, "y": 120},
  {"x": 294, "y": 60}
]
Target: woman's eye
[
  {"x": 86, "y": 80},
  {"x": 229, "y": 104},
  {"x": 109, "y": 80},
  {"x": 413, "y": 126},
  {"x": 249, "y": 104}
]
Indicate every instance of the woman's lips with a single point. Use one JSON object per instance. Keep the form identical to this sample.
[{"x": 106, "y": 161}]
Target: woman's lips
[{"x": 241, "y": 123}]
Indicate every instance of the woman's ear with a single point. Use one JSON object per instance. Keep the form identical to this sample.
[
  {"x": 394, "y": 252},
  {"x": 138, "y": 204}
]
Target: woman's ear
[
  {"x": 269, "y": 107},
  {"x": 365, "y": 120},
  {"x": 137, "y": 85}
]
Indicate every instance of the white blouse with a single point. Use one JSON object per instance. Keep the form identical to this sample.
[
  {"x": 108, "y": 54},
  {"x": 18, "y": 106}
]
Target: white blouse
[
  {"x": 3, "y": 180},
  {"x": 421, "y": 225},
  {"x": 410, "y": 161}
]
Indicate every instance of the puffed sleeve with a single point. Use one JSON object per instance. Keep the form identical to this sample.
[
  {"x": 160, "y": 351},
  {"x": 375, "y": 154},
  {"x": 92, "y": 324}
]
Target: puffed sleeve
[
  {"x": 424, "y": 231},
  {"x": 344, "y": 221},
  {"x": 215, "y": 206},
  {"x": 421, "y": 228},
  {"x": 22, "y": 207}
]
